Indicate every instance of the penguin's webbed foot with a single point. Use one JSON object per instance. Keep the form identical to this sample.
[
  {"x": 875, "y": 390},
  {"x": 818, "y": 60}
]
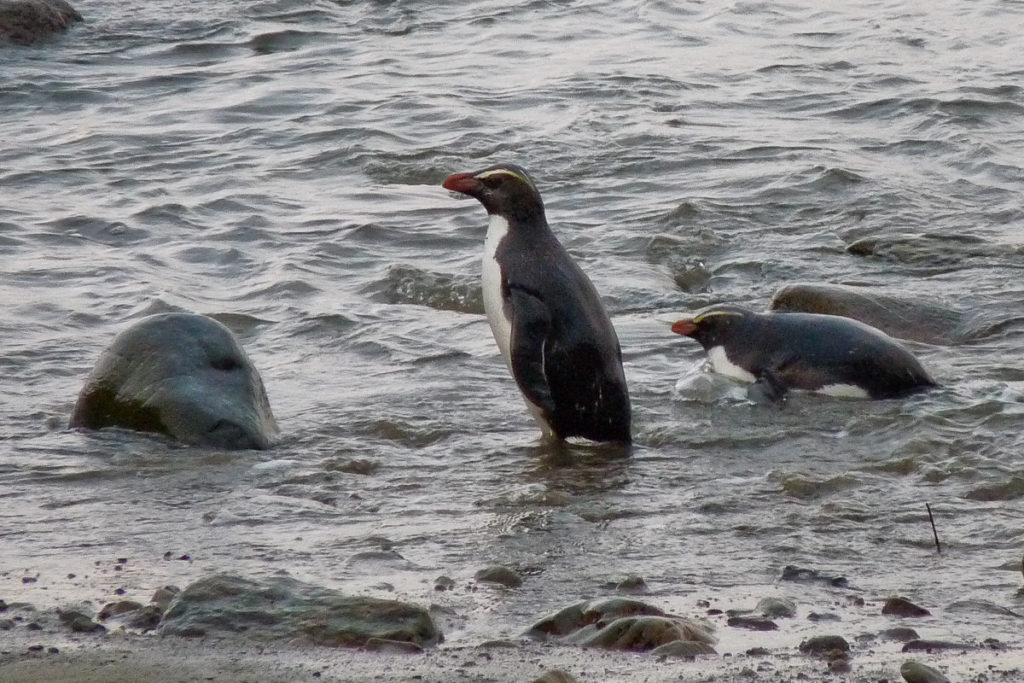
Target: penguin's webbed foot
[{"x": 767, "y": 389}]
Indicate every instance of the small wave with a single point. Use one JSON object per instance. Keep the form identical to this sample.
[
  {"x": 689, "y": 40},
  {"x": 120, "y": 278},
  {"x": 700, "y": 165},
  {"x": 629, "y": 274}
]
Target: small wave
[{"x": 410, "y": 285}]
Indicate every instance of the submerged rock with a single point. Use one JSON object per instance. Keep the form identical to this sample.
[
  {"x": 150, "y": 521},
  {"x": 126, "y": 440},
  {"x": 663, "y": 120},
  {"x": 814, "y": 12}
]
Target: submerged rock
[
  {"x": 800, "y": 574},
  {"x": 775, "y": 608},
  {"x": 24, "y": 22},
  {"x": 620, "y": 624},
  {"x": 286, "y": 609},
  {"x": 182, "y": 375},
  {"x": 410, "y": 285}
]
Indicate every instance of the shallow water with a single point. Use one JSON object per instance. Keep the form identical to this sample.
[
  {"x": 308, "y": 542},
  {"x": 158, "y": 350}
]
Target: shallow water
[{"x": 278, "y": 165}]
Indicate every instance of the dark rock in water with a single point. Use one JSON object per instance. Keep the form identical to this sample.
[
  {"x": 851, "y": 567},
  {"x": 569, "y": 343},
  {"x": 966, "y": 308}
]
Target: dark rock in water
[
  {"x": 791, "y": 573},
  {"x": 619, "y": 623},
  {"x": 555, "y": 676},
  {"x": 931, "y": 645},
  {"x": 901, "y": 317},
  {"x": 113, "y": 609},
  {"x": 499, "y": 575},
  {"x": 24, "y": 22},
  {"x": 933, "y": 251},
  {"x": 916, "y": 672},
  {"x": 78, "y": 622},
  {"x": 286, "y": 609},
  {"x": 182, "y": 375},
  {"x": 824, "y": 645},
  {"x": 752, "y": 623},
  {"x": 775, "y": 608},
  {"x": 900, "y": 633},
  {"x": 444, "y": 583},
  {"x": 1009, "y": 489},
  {"x": 901, "y": 607}
]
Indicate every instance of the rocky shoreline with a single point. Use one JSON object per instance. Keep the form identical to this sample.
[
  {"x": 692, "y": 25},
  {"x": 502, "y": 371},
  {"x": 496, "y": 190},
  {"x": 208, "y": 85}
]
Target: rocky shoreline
[{"x": 230, "y": 628}]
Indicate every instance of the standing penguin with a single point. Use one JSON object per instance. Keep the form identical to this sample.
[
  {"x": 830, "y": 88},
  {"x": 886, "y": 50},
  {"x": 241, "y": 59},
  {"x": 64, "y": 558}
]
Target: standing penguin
[
  {"x": 827, "y": 354},
  {"x": 545, "y": 314}
]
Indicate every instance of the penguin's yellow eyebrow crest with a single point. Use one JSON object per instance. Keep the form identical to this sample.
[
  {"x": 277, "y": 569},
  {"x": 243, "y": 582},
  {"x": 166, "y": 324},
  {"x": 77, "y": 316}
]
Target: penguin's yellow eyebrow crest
[
  {"x": 703, "y": 316},
  {"x": 505, "y": 171}
]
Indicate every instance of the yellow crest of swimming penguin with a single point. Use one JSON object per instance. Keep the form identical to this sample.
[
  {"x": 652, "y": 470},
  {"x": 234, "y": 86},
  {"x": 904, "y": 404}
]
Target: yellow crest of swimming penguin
[
  {"x": 517, "y": 173},
  {"x": 717, "y": 312}
]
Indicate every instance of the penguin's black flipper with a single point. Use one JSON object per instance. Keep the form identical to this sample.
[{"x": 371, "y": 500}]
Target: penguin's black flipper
[
  {"x": 767, "y": 389},
  {"x": 531, "y": 322}
]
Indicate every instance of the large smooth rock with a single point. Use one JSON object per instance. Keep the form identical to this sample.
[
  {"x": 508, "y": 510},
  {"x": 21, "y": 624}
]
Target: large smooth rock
[
  {"x": 901, "y": 317},
  {"x": 24, "y": 22},
  {"x": 286, "y": 609},
  {"x": 183, "y": 375}
]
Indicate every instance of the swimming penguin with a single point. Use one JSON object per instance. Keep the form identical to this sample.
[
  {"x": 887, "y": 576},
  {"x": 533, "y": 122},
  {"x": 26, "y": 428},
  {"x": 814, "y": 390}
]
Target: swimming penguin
[
  {"x": 828, "y": 354},
  {"x": 545, "y": 314}
]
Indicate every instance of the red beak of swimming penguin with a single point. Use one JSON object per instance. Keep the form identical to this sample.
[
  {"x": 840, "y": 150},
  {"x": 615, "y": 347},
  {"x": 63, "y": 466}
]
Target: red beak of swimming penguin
[{"x": 685, "y": 327}]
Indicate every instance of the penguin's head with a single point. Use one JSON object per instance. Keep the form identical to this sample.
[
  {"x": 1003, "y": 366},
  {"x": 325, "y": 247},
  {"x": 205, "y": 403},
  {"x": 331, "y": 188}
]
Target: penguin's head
[
  {"x": 504, "y": 190},
  {"x": 713, "y": 326}
]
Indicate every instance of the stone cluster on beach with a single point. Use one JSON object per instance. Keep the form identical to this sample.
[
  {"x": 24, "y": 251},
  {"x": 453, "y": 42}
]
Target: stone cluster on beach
[{"x": 286, "y": 611}]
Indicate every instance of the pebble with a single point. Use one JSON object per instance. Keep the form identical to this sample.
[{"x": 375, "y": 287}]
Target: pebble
[
  {"x": 752, "y": 623},
  {"x": 916, "y": 672},
  {"x": 823, "y": 645},
  {"x": 683, "y": 648},
  {"x": 632, "y": 585},
  {"x": 555, "y": 676}
]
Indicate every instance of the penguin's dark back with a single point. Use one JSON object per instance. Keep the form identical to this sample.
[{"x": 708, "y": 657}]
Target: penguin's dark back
[{"x": 842, "y": 349}]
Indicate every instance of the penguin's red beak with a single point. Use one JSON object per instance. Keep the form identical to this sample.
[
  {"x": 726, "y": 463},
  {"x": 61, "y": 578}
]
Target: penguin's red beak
[
  {"x": 685, "y": 327},
  {"x": 462, "y": 182}
]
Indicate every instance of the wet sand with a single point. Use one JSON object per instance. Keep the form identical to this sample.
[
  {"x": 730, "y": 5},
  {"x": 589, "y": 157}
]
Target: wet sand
[{"x": 117, "y": 658}]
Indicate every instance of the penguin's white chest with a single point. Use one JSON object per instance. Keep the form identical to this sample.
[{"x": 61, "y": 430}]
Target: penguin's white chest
[
  {"x": 721, "y": 364},
  {"x": 494, "y": 304}
]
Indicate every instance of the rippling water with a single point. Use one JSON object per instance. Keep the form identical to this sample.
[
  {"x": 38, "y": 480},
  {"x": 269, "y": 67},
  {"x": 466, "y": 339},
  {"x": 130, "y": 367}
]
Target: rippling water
[{"x": 277, "y": 164}]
